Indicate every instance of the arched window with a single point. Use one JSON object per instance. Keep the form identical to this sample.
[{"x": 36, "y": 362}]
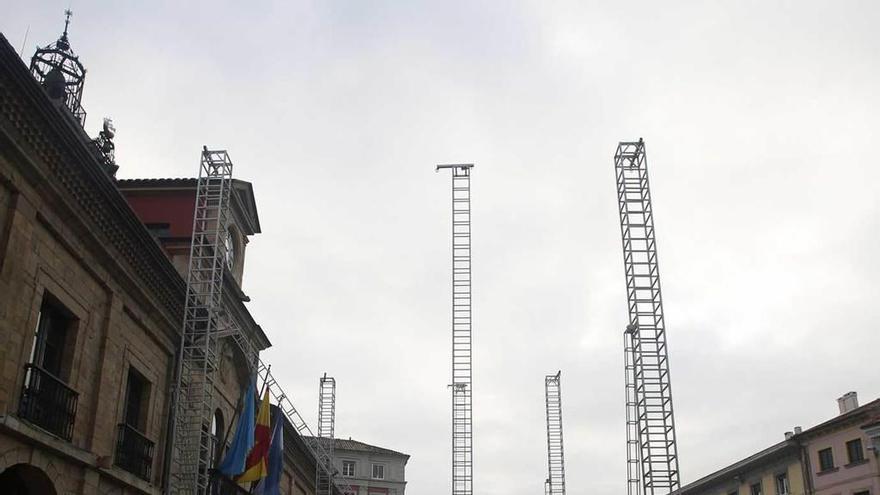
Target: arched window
[{"x": 217, "y": 433}]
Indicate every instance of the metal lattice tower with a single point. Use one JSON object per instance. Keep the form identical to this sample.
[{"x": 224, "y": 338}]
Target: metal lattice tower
[
  {"x": 462, "y": 375},
  {"x": 201, "y": 324},
  {"x": 633, "y": 462},
  {"x": 555, "y": 453},
  {"x": 651, "y": 444},
  {"x": 326, "y": 421}
]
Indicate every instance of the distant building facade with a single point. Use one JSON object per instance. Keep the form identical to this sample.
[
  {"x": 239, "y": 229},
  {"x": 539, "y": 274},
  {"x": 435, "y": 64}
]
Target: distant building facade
[
  {"x": 837, "y": 457},
  {"x": 773, "y": 471},
  {"x": 841, "y": 454},
  {"x": 369, "y": 469}
]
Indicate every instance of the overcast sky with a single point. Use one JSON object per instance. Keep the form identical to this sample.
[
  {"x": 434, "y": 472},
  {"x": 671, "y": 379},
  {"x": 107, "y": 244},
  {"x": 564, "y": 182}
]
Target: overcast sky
[{"x": 761, "y": 122}]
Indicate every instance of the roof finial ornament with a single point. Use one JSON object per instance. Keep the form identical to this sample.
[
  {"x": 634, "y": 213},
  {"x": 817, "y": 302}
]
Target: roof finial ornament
[
  {"x": 63, "y": 43},
  {"x": 67, "y": 14}
]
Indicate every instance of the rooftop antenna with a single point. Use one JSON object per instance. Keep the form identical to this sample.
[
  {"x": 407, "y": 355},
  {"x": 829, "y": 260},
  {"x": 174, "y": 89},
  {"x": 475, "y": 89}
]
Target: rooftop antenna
[{"x": 24, "y": 41}]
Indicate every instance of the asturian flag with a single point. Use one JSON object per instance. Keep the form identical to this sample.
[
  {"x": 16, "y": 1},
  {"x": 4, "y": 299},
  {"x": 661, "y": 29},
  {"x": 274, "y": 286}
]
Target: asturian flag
[
  {"x": 234, "y": 462},
  {"x": 256, "y": 467},
  {"x": 271, "y": 485}
]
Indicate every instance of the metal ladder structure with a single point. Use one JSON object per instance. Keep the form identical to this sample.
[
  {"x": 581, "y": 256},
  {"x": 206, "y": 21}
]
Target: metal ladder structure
[
  {"x": 652, "y": 454},
  {"x": 206, "y": 322},
  {"x": 312, "y": 441},
  {"x": 326, "y": 425},
  {"x": 633, "y": 449},
  {"x": 203, "y": 311},
  {"x": 555, "y": 484},
  {"x": 462, "y": 374}
]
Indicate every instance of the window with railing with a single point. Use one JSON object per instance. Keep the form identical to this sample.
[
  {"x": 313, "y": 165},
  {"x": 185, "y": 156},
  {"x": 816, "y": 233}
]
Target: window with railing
[
  {"x": 134, "y": 452},
  {"x": 46, "y": 400}
]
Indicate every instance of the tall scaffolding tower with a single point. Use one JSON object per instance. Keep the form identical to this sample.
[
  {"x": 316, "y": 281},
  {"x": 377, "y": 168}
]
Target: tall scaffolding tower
[
  {"x": 555, "y": 484},
  {"x": 203, "y": 309},
  {"x": 652, "y": 455},
  {"x": 462, "y": 376},
  {"x": 326, "y": 425},
  {"x": 206, "y": 321}
]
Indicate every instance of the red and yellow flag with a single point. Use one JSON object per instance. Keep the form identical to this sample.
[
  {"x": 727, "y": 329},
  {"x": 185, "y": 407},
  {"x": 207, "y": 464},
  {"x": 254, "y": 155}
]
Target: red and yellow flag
[{"x": 256, "y": 464}]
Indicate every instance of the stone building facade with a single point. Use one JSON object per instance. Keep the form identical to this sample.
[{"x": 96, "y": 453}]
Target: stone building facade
[{"x": 91, "y": 298}]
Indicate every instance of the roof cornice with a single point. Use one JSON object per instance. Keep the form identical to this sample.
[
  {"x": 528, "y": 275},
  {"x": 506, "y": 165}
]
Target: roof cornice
[{"x": 46, "y": 134}]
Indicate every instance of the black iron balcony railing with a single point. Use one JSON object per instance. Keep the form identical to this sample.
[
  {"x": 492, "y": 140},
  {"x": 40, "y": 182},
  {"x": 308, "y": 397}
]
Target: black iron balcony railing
[
  {"x": 48, "y": 402},
  {"x": 134, "y": 452}
]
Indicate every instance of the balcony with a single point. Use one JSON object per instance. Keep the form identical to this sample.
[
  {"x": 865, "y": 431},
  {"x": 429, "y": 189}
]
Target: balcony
[
  {"x": 48, "y": 402},
  {"x": 134, "y": 452}
]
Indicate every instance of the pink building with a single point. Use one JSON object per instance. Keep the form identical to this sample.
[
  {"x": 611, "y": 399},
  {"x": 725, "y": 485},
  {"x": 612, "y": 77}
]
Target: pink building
[
  {"x": 837, "y": 457},
  {"x": 840, "y": 456}
]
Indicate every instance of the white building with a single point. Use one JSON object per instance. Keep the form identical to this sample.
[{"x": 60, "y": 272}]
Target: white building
[{"x": 368, "y": 469}]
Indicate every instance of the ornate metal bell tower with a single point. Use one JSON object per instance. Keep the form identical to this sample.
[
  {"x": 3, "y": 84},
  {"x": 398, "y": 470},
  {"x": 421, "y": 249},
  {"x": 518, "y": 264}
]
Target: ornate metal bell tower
[{"x": 60, "y": 73}]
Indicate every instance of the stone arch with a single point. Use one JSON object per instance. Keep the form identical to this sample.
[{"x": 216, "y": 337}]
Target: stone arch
[
  {"x": 38, "y": 460},
  {"x": 234, "y": 367},
  {"x": 26, "y": 479}
]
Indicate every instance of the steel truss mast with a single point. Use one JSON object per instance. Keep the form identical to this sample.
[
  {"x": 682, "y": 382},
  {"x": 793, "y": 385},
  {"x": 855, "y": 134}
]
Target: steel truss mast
[
  {"x": 326, "y": 426},
  {"x": 205, "y": 322},
  {"x": 555, "y": 484},
  {"x": 462, "y": 393},
  {"x": 652, "y": 455}
]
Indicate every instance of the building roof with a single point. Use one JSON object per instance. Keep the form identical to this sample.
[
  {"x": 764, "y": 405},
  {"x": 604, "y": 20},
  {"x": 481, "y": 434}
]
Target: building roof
[
  {"x": 161, "y": 182},
  {"x": 50, "y": 137},
  {"x": 356, "y": 446},
  {"x": 47, "y": 135},
  {"x": 244, "y": 194},
  {"x": 780, "y": 450},
  {"x": 867, "y": 412}
]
